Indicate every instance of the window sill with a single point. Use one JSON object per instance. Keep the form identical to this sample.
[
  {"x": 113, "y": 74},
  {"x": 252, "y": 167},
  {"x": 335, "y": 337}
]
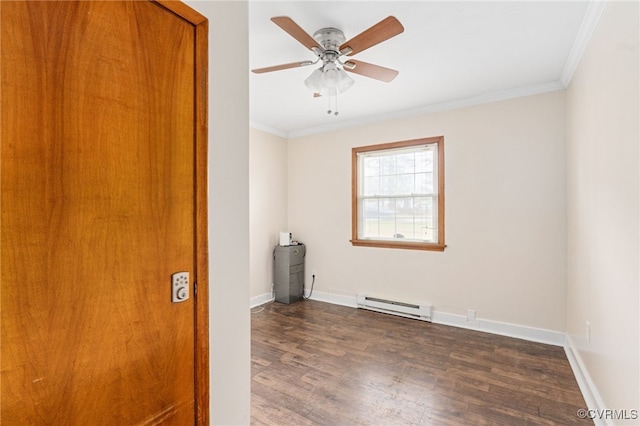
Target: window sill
[{"x": 399, "y": 245}]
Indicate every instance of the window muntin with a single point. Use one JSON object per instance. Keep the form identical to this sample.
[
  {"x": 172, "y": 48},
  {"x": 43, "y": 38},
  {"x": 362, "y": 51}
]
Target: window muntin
[{"x": 398, "y": 195}]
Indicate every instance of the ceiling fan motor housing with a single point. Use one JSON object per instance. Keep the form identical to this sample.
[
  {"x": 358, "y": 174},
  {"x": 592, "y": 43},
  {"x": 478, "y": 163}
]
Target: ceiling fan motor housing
[{"x": 330, "y": 39}]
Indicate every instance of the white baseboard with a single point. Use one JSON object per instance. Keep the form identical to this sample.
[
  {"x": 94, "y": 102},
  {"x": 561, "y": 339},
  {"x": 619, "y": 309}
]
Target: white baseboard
[
  {"x": 589, "y": 390},
  {"x": 517, "y": 331},
  {"x": 550, "y": 337},
  {"x": 533, "y": 334},
  {"x": 260, "y": 300},
  {"x": 336, "y": 299},
  {"x": 317, "y": 296}
]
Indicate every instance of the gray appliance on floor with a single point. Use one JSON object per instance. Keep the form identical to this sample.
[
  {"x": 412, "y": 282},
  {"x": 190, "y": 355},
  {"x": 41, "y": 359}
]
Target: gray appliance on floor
[{"x": 288, "y": 273}]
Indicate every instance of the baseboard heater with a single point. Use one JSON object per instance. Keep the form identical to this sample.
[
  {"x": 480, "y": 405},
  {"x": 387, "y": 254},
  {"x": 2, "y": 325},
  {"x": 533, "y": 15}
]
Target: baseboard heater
[{"x": 407, "y": 310}]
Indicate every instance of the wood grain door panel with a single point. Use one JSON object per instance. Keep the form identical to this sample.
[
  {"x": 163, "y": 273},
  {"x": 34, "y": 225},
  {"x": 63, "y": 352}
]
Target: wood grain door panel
[{"x": 98, "y": 175}]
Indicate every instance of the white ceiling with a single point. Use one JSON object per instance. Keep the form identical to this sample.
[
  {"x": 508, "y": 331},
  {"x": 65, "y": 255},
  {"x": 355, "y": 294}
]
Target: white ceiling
[{"x": 450, "y": 54}]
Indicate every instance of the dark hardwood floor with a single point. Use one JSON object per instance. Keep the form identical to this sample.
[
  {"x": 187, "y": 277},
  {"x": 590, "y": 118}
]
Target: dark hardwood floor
[{"x": 315, "y": 363}]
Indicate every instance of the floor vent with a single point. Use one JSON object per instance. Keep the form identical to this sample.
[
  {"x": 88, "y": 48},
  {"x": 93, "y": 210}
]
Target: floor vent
[{"x": 408, "y": 310}]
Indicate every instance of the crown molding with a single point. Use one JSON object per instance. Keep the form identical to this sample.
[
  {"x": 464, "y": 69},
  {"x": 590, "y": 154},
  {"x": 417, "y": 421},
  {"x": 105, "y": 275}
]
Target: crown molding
[
  {"x": 437, "y": 107},
  {"x": 589, "y": 23},
  {"x": 268, "y": 129}
]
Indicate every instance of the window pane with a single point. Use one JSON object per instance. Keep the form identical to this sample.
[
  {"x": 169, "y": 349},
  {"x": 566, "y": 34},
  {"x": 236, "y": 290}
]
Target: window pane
[
  {"x": 405, "y": 163},
  {"x": 404, "y": 206},
  {"x": 429, "y": 160},
  {"x": 421, "y": 161},
  {"x": 369, "y": 218},
  {"x": 387, "y": 217},
  {"x": 406, "y": 228},
  {"x": 429, "y": 206},
  {"x": 388, "y": 185},
  {"x": 388, "y": 165},
  {"x": 420, "y": 205},
  {"x": 371, "y": 166},
  {"x": 424, "y": 183},
  {"x": 429, "y": 225},
  {"x": 371, "y": 186},
  {"x": 370, "y": 227},
  {"x": 387, "y": 207},
  {"x": 405, "y": 184},
  {"x": 423, "y": 229},
  {"x": 425, "y": 224},
  {"x": 370, "y": 208},
  {"x": 405, "y": 217}
]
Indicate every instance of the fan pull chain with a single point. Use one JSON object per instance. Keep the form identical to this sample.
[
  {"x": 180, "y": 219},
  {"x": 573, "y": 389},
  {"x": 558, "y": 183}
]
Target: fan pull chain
[{"x": 336, "y": 104}]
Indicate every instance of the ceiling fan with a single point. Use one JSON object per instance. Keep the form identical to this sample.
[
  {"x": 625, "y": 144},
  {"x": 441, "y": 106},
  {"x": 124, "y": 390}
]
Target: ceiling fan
[{"x": 330, "y": 45}]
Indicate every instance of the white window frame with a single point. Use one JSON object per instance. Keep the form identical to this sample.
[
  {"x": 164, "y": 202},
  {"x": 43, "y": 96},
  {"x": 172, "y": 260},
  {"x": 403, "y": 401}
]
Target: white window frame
[{"x": 436, "y": 243}]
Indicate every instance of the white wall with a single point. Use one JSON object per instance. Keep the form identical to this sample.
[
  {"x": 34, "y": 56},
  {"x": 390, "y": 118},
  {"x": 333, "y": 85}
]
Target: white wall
[
  {"x": 230, "y": 357},
  {"x": 504, "y": 217},
  {"x": 268, "y": 204},
  {"x": 603, "y": 212}
]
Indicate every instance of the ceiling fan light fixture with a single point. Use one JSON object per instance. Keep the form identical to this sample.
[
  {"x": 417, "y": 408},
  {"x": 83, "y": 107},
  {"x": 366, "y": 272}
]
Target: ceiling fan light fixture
[
  {"x": 329, "y": 80},
  {"x": 330, "y": 75},
  {"x": 345, "y": 81},
  {"x": 315, "y": 81}
]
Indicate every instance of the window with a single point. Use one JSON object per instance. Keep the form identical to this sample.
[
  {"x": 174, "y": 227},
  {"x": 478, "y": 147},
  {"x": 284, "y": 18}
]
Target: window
[{"x": 398, "y": 195}]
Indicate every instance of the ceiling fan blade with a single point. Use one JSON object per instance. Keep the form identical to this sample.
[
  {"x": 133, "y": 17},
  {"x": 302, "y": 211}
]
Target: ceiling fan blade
[
  {"x": 282, "y": 67},
  {"x": 370, "y": 70},
  {"x": 296, "y": 32},
  {"x": 380, "y": 32}
]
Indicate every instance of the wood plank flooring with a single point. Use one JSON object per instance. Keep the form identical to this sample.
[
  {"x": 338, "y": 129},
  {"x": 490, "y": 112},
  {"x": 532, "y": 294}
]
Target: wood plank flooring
[{"x": 315, "y": 363}]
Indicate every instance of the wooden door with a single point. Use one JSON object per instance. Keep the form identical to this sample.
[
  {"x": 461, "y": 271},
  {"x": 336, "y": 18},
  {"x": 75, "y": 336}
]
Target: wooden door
[{"x": 103, "y": 183}]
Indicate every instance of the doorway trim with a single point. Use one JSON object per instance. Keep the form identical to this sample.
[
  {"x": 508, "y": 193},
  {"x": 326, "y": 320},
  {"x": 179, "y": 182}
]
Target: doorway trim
[{"x": 201, "y": 132}]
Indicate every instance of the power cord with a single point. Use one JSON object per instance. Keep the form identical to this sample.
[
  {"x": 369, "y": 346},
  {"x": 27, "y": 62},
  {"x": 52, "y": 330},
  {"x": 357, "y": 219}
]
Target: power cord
[
  {"x": 255, "y": 309},
  {"x": 313, "y": 280},
  {"x": 260, "y": 308}
]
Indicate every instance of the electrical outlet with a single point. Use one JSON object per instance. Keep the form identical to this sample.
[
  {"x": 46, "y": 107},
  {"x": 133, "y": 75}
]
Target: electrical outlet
[
  {"x": 471, "y": 315},
  {"x": 588, "y": 331},
  {"x": 314, "y": 273}
]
